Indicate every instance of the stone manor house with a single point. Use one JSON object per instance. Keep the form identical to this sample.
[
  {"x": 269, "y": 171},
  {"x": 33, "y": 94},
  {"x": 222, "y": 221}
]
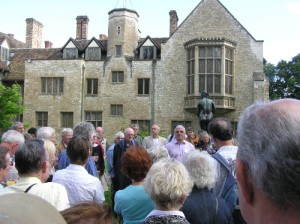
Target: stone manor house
[{"x": 121, "y": 78}]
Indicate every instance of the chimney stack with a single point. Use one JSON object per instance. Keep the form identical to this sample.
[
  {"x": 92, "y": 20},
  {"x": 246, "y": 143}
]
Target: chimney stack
[
  {"x": 34, "y": 33},
  {"x": 10, "y": 35},
  {"x": 103, "y": 37},
  {"x": 173, "y": 21},
  {"x": 48, "y": 44},
  {"x": 82, "y": 27}
]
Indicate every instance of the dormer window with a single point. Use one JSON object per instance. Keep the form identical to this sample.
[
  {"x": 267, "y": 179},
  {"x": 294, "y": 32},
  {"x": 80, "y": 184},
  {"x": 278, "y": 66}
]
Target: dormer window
[
  {"x": 93, "y": 53},
  {"x": 148, "y": 52},
  {"x": 4, "y": 53},
  {"x": 70, "y": 53}
]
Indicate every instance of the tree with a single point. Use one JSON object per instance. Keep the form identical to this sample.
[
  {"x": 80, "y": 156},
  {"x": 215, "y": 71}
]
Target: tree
[
  {"x": 270, "y": 71},
  {"x": 284, "y": 78},
  {"x": 10, "y": 98}
]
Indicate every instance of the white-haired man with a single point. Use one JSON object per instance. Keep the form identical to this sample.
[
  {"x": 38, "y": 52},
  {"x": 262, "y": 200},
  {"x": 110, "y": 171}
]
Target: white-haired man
[
  {"x": 179, "y": 146},
  {"x": 268, "y": 162}
]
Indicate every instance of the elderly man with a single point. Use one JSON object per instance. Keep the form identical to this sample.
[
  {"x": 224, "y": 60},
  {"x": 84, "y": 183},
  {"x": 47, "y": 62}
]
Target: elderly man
[
  {"x": 18, "y": 126},
  {"x": 12, "y": 139},
  {"x": 101, "y": 140},
  {"x": 121, "y": 181},
  {"x": 154, "y": 139},
  {"x": 267, "y": 166},
  {"x": 66, "y": 135},
  {"x": 179, "y": 146},
  {"x": 32, "y": 163},
  {"x": 138, "y": 139},
  {"x": 46, "y": 133}
]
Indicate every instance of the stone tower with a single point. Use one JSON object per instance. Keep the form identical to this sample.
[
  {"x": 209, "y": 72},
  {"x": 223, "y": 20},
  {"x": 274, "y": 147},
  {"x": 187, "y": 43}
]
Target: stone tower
[
  {"x": 123, "y": 33},
  {"x": 34, "y": 33},
  {"x": 82, "y": 23}
]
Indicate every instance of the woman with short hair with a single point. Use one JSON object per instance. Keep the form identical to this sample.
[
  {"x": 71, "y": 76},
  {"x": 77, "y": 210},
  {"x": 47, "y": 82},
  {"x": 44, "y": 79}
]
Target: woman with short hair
[
  {"x": 202, "y": 206},
  {"x": 168, "y": 184}
]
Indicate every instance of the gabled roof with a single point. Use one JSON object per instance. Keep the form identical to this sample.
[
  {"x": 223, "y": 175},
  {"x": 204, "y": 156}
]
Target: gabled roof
[
  {"x": 12, "y": 42},
  {"x": 199, "y": 5},
  {"x": 156, "y": 41},
  {"x": 97, "y": 42},
  {"x": 17, "y": 65},
  {"x": 81, "y": 45}
]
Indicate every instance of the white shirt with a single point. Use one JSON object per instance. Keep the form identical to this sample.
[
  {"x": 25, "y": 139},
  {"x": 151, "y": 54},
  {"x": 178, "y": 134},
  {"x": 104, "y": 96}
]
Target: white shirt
[
  {"x": 80, "y": 185},
  {"x": 228, "y": 152},
  {"x": 54, "y": 193}
]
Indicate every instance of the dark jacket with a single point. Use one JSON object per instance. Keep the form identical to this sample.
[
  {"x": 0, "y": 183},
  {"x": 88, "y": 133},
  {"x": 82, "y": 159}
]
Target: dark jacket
[
  {"x": 203, "y": 207},
  {"x": 120, "y": 181}
]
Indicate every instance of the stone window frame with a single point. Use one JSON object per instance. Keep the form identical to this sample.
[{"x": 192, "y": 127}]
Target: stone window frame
[
  {"x": 52, "y": 85},
  {"x": 117, "y": 77},
  {"x": 41, "y": 118},
  {"x": 116, "y": 110},
  {"x": 143, "y": 86},
  {"x": 94, "y": 117},
  {"x": 92, "y": 87},
  {"x": 67, "y": 119},
  {"x": 118, "y": 50},
  {"x": 222, "y": 85}
]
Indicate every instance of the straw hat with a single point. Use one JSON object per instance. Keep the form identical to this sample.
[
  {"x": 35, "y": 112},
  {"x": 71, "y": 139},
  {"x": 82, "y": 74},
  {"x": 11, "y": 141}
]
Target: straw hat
[{"x": 17, "y": 208}]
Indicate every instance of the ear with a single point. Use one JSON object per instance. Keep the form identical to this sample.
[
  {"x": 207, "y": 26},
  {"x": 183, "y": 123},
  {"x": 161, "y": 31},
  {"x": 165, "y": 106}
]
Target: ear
[
  {"x": 44, "y": 167},
  {"x": 245, "y": 186}
]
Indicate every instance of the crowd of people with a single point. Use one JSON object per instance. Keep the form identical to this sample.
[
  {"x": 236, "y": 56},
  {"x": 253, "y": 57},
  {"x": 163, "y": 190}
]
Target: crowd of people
[{"x": 186, "y": 178}]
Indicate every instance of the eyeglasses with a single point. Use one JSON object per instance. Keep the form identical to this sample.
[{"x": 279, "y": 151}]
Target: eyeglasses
[{"x": 179, "y": 131}]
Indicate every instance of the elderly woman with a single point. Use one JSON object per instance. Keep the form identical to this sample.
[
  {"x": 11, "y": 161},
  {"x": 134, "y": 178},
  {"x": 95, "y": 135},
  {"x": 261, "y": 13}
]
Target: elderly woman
[
  {"x": 168, "y": 184},
  {"x": 133, "y": 203},
  {"x": 202, "y": 206},
  {"x": 158, "y": 152},
  {"x": 50, "y": 147}
]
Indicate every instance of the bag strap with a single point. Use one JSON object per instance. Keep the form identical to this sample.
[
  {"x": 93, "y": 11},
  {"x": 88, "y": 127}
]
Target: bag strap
[
  {"x": 28, "y": 188},
  {"x": 222, "y": 161},
  {"x": 217, "y": 207}
]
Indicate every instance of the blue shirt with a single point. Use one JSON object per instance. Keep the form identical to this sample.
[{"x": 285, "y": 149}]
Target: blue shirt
[
  {"x": 64, "y": 161},
  {"x": 109, "y": 159},
  {"x": 134, "y": 204}
]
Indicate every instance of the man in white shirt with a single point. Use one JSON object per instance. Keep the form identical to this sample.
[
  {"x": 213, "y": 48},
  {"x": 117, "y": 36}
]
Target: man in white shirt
[
  {"x": 154, "y": 139},
  {"x": 32, "y": 163},
  {"x": 80, "y": 185},
  {"x": 179, "y": 146}
]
